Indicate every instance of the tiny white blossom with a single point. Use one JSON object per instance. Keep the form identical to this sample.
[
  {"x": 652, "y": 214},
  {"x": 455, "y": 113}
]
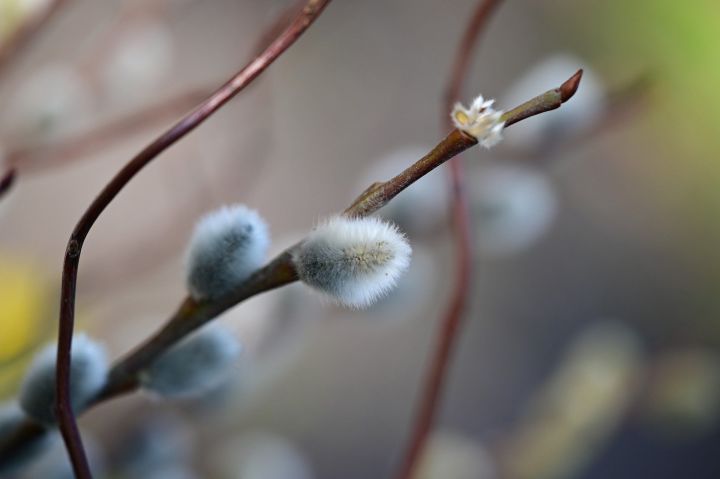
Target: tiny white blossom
[
  {"x": 353, "y": 260},
  {"x": 88, "y": 372},
  {"x": 195, "y": 366},
  {"x": 480, "y": 121},
  {"x": 228, "y": 245}
]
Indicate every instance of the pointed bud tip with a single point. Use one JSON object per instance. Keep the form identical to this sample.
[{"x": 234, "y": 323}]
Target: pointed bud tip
[{"x": 568, "y": 89}]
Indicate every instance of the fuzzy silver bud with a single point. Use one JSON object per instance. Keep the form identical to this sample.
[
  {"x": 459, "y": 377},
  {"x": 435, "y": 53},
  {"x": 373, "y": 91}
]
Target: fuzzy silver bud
[
  {"x": 195, "y": 366},
  {"x": 88, "y": 372},
  {"x": 354, "y": 261},
  {"x": 228, "y": 245}
]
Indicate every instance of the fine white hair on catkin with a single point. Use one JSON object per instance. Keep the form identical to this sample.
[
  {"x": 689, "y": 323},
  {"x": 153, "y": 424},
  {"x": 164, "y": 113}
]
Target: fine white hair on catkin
[
  {"x": 354, "y": 261},
  {"x": 195, "y": 366},
  {"x": 227, "y": 246},
  {"x": 88, "y": 372}
]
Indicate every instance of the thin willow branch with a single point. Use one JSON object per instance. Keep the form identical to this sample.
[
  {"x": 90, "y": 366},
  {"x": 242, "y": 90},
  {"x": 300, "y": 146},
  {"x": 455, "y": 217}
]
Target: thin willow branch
[
  {"x": 190, "y": 315},
  {"x": 21, "y": 38},
  {"x": 449, "y": 328},
  {"x": 66, "y": 418}
]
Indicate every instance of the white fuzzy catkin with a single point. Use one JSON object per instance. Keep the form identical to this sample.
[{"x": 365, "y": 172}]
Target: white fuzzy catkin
[
  {"x": 195, "y": 366},
  {"x": 353, "y": 260},
  {"x": 88, "y": 372},
  {"x": 228, "y": 245},
  {"x": 11, "y": 416}
]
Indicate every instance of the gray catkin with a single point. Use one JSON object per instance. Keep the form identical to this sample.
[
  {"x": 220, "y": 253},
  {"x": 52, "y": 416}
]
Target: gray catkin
[
  {"x": 226, "y": 247},
  {"x": 195, "y": 366},
  {"x": 87, "y": 375}
]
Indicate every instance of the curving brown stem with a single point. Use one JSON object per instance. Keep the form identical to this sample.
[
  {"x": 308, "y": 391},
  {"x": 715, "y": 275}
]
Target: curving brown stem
[
  {"x": 191, "y": 315},
  {"x": 448, "y": 332},
  {"x": 65, "y": 416}
]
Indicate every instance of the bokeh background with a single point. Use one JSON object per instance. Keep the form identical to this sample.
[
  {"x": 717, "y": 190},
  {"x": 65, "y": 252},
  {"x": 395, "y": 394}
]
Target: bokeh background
[{"x": 590, "y": 346}]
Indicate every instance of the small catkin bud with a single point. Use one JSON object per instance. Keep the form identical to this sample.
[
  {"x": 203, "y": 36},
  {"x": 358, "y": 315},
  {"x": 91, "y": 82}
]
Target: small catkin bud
[
  {"x": 480, "y": 121},
  {"x": 353, "y": 260},
  {"x": 11, "y": 417},
  {"x": 195, "y": 366},
  {"x": 88, "y": 372},
  {"x": 228, "y": 245}
]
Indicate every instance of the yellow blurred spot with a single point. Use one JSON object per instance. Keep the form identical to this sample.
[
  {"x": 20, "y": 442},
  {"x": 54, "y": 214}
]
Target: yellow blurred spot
[
  {"x": 23, "y": 300},
  {"x": 10, "y": 15}
]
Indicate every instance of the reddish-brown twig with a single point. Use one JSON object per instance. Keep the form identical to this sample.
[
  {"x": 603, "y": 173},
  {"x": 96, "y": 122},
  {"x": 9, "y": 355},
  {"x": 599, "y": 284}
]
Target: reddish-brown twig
[
  {"x": 18, "y": 40},
  {"x": 64, "y": 412}
]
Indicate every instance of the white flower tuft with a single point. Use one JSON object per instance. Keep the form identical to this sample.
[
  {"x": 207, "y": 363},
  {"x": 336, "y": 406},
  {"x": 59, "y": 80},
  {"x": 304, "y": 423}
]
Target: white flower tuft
[
  {"x": 88, "y": 372},
  {"x": 353, "y": 260},
  {"x": 195, "y": 366},
  {"x": 480, "y": 121},
  {"x": 11, "y": 416},
  {"x": 228, "y": 245}
]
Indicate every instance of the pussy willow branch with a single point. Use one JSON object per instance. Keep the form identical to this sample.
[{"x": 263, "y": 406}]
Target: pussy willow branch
[
  {"x": 22, "y": 36},
  {"x": 449, "y": 328},
  {"x": 64, "y": 412},
  {"x": 123, "y": 377}
]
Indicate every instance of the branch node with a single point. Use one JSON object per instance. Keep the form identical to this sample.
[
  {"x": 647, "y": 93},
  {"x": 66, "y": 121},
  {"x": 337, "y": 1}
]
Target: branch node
[{"x": 73, "y": 249}]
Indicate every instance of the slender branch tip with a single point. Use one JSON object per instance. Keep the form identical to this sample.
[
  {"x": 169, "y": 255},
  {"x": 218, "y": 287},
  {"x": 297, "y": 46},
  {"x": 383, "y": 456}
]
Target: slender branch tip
[{"x": 568, "y": 89}]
